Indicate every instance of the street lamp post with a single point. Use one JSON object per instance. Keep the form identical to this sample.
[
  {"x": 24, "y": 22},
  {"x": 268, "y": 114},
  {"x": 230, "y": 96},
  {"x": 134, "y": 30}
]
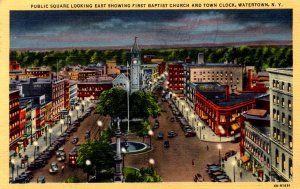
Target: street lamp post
[
  {"x": 151, "y": 163},
  {"x": 123, "y": 156},
  {"x": 150, "y": 133},
  {"x": 50, "y": 132},
  {"x": 35, "y": 143},
  {"x": 77, "y": 108},
  {"x": 61, "y": 124},
  {"x": 220, "y": 147},
  {"x": 88, "y": 163},
  {"x": 17, "y": 170},
  {"x": 233, "y": 164},
  {"x": 100, "y": 124}
]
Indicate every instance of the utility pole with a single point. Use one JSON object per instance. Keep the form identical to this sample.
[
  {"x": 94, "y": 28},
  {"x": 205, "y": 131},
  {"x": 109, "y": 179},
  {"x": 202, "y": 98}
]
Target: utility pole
[{"x": 128, "y": 91}]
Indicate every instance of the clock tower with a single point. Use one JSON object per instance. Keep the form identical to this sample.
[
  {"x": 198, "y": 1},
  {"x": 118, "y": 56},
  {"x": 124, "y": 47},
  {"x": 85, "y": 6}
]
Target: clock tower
[{"x": 135, "y": 73}]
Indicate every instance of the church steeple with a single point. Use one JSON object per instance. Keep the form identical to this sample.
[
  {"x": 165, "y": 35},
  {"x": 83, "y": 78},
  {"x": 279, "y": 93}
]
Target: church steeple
[{"x": 135, "y": 50}]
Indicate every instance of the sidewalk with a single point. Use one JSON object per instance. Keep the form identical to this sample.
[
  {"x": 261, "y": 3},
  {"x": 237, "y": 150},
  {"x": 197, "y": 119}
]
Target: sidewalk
[
  {"x": 56, "y": 132},
  {"x": 231, "y": 166},
  {"x": 203, "y": 131}
]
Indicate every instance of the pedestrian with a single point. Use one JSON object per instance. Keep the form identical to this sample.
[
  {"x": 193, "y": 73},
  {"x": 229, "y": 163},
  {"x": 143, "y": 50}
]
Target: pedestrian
[
  {"x": 193, "y": 162},
  {"x": 62, "y": 169},
  {"x": 241, "y": 174},
  {"x": 38, "y": 148},
  {"x": 207, "y": 147}
]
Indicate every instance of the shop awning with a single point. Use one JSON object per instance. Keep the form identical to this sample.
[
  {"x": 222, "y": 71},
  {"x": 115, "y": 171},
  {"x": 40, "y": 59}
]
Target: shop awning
[
  {"x": 244, "y": 159},
  {"x": 235, "y": 126}
]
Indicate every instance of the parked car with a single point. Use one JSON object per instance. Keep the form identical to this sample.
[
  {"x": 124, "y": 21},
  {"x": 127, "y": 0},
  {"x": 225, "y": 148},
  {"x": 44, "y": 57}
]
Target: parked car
[
  {"x": 160, "y": 136},
  {"x": 210, "y": 171},
  {"x": 59, "y": 151},
  {"x": 224, "y": 180},
  {"x": 172, "y": 134},
  {"x": 41, "y": 179},
  {"x": 75, "y": 139},
  {"x": 61, "y": 158},
  {"x": 190, "y": 134},
  {"x": 217, "y": 173},
  {"x": 230, "y": 153},
  {"x": 219, "y": 177},
  {"x": 156, "y": 124},
  {"x": 166, "y": 144},
  {"x": 53, "y": 167},
  {"x": 212, "y": 164},
  {"x": 21, "y": 179}
]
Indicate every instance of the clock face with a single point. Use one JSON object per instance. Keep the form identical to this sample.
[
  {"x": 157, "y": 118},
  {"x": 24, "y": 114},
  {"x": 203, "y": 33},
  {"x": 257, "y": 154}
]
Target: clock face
[{"x": 135, "y": 61}]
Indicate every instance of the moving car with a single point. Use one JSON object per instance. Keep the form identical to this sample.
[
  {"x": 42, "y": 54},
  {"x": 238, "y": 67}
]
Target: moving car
[
  {"x": 53, "y": 167},
  {"x": 220, "y": 177},
  {"x": 171, "y": 134},
  {"x": 156, "y": 124},
  {"x": 87, "y": 134},
  {"x": 166, "y": 144},
  {"x": 75, "y": 139},
  {"x": 160, "y": 136}
]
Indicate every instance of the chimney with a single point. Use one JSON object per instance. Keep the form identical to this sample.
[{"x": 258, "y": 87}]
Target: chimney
[
  {"x": 226, "y": 93},
  {"x": 250, "y": 79}
]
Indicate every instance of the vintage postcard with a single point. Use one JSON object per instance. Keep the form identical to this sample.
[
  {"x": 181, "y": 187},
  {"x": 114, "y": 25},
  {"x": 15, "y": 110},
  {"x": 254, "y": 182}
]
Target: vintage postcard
[{"x": 149, "y": 94}]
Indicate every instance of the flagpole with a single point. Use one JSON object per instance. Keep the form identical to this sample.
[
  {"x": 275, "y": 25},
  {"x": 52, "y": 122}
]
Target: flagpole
[{"x": 128, "y": 90}]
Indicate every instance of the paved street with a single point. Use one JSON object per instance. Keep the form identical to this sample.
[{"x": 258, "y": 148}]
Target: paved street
[{"x": 175, "y": 163}]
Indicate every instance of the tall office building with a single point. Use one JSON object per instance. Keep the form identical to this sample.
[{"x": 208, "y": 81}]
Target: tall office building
[{"x": 281, "y": 123}]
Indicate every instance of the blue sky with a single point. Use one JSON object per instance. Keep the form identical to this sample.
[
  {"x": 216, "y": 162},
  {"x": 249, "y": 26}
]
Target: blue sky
[{"x": 60, "y": 29}]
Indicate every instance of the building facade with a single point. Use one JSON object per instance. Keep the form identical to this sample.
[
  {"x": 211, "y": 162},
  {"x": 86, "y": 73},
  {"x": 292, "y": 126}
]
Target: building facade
[
  {"x": 255, "y": 145},
  {"x": 88, "y": 89},
  {"x": 219, "y": 109},
  {"x": 281, "y": 94},
  {"x": 14, "y": 120},
  {"x": 175, "y": 76},
  {"x": 121, "y": 82},
  {"x": 225, "y": 74},
  {"x": 73, "y": 93}
]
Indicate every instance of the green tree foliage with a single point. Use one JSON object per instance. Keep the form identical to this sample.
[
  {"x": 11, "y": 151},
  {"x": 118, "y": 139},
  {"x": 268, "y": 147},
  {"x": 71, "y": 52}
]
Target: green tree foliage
[
  {"x": 260, "y": 57},
  {"x": 99, "y": 152},
  {"x": 142, "y": 175},
  {"x": 113, "y": 102},
  {"x": 143, "y": 104},
  {"x": 72, "y": 180}
]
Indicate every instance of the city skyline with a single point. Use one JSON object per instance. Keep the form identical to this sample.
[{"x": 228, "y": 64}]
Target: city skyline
[{"x": 189, "y": 28}]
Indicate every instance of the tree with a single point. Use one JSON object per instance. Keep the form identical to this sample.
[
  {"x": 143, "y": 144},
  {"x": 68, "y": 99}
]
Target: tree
[
  {"x": 143, "y": 105},
  {"x": 113, "y": 102},
  {"x": 142, "y": 175},
  {"x": 72, "y": 180},
  {"x": 100, "y": 153}
]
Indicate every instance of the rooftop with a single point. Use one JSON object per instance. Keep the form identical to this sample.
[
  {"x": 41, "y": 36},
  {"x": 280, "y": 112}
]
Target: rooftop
[
  {"x": 212, "y": 65},
  {"x": 283, "y": 71},
  {"x": 262, "y": 124},
  {"x": 215, "y": 92}
]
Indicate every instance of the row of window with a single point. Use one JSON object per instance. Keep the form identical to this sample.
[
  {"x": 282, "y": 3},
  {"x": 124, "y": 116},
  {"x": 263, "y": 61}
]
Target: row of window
[
  {"x": 282, "y": 102},
  {"x": 282, "y": 86},
  {"x": 13, "y": 114},
  {"x": 13, "y": 125},
  {"x": 217, "y": 79},
  {"x": 90, "y": 89},
  {"x": 282, "y": 138},
  {"x": 284, "y": 163},
  {"x": 14, "y": 136},
  {"x": 283, "y": 118},
  {"x": 14, "y": 103},
  {"x": 257, "y": 139},
  {"x": 259, "y": 154}
]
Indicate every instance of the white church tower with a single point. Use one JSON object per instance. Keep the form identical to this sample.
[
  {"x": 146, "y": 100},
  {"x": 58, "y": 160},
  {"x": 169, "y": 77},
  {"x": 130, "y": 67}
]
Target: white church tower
[{"x": 135, "y": 67}]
